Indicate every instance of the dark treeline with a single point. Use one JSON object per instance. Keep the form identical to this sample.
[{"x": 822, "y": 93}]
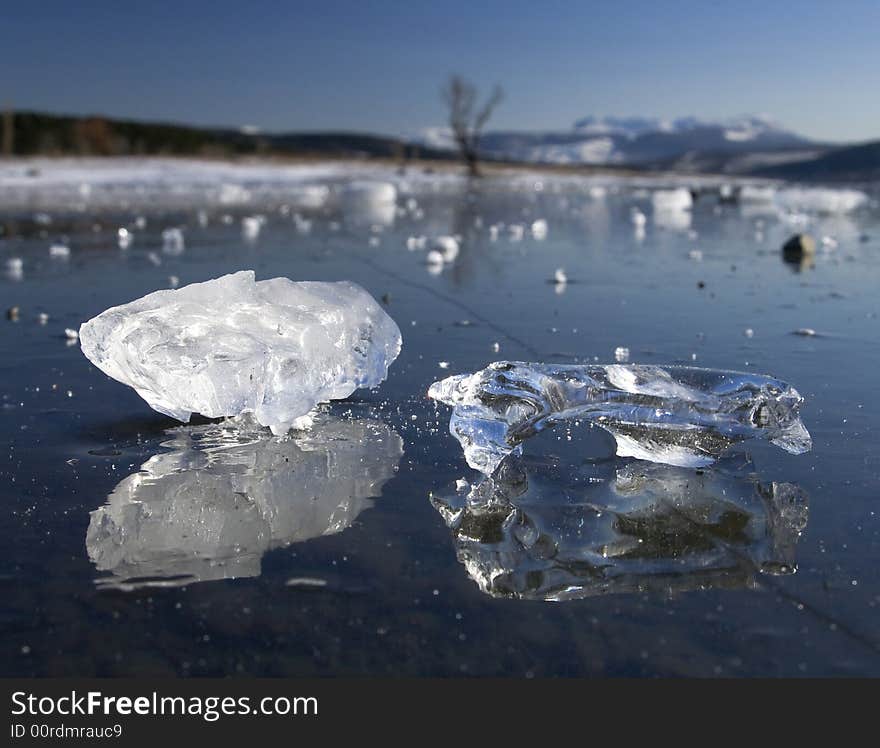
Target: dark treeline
[{"x": 35, "y": 133}]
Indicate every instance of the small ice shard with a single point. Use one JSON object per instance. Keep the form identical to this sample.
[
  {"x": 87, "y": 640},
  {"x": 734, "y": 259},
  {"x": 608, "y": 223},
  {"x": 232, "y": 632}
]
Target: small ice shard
[
  {"x": 434, "y": 260},
  {"x": 621, "y": 354},
  {"x": 539, "y": 229},
  {"x": 232, "y": 345},
  {"x": 446, "y": 246},
  {"x": 59, "y": 251},
  {"x": 172, "y": 241},
  {"x": 15, "y": 268},
  {"x": 806, "y": 332},
  {"x": 124, "y": 238},
  {"x": 71, "y": 334},
  {"x": 516, "y": 232},
  {"x": 638, "y": 218},
  {"x": 560, "y": 281},
  {"x": 250, "y": 227},
  {"x": 672, "y": 200},
  {"x": 368, "y": 203},
  {"x": 676, "y": 415}
]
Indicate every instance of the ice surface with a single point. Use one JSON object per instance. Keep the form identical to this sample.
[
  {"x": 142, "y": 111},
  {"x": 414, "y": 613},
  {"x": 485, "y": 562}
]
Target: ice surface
[
  {"x": 536, "y": 532},
  {"x": 225, "y": 494},
  {"x": 676, "y": 415},
  {"x": 273, "y": 348},
  {"x": 821, "y": 200}
]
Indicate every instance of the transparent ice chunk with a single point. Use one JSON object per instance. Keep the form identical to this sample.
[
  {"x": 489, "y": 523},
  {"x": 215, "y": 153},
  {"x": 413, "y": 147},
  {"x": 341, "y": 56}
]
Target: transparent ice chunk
[
  {"x": 537, "y": 532},
  {"x": 674, "y": 414},
  {"x": 221, "y": 495},
  {"x": 233, "y": 345}
]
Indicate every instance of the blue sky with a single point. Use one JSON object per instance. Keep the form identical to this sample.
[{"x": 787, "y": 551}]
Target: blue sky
[{"x": 378, "y": 66}]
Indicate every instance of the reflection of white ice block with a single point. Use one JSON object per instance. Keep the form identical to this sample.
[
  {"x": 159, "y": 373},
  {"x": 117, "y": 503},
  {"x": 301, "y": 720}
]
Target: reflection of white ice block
[
  {"x": 674, "y": 219},
  {"x": 172, "y": 241},
  {"x": 213, "y": 505},
  {"x": 251, "y": 226},
  {"x": 233, "y": 345},
  {"x": 15, "y": 268},
  {"x": 539, "y": 229}
]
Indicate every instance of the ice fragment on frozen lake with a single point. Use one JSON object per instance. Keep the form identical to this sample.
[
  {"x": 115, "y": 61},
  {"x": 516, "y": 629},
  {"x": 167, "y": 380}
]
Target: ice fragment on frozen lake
[
  {"x": 124, "y": 238},
  {"x": 539, "y": 229},
  {"x": 677, "y": 415},
  {"x": 251, "y": 225},
  {"x": 172, "y": 241},
  {"x": 366, "y": 202},
  {"x": 446, "y": 246},
  {"x": 274, "y": 348},
  {"x": 672, "y": 200}
]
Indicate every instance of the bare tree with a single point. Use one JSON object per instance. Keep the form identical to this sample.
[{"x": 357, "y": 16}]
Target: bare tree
[{"x": 466, "y": 119}]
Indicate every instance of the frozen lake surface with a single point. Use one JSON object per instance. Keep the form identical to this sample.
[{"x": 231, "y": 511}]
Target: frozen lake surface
[{"x": 133, "y": 545}]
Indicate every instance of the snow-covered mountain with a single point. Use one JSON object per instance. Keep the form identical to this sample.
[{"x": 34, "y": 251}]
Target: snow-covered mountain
[{"x": 635, "y": 141}]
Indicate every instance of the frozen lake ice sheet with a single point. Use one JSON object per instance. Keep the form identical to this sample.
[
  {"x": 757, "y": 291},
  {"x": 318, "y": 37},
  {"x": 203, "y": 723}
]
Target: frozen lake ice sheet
[
  {"x": 273, "y": 348},
  {"x": 677, "y": 415},
  {"x": 397, "y": 600}
]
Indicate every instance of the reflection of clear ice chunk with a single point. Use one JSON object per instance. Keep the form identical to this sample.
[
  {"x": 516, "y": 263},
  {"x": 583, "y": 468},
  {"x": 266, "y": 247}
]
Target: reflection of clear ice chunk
[
  {"x": 677, "y": 415},
  {"x": 223, "y": 496},
  {"x": 539, "y": 533},
  {"x": 273, "y": 348}
]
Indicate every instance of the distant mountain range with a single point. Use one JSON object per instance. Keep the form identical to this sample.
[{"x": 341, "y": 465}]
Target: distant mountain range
[
  {"x": 747, "y": 146},
  {"x": 646, "y": 142}
]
